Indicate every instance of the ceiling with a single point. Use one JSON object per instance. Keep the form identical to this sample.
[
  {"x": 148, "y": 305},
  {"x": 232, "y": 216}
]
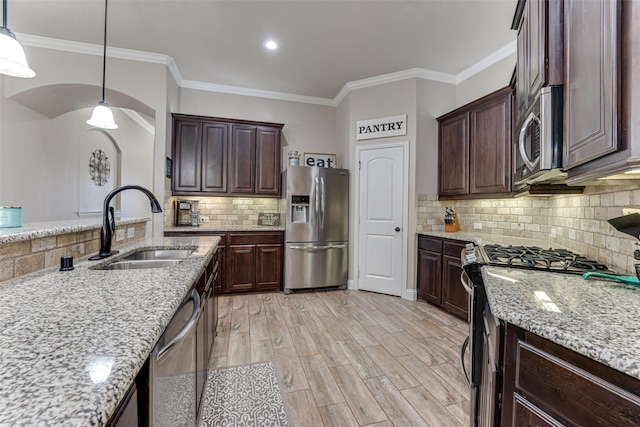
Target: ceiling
[{"x": 323, "y": 44}]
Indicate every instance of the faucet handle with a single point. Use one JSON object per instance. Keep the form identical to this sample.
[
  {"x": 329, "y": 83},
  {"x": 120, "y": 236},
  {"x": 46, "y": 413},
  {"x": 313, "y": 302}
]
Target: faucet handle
[{"x": 112, "y": 223}]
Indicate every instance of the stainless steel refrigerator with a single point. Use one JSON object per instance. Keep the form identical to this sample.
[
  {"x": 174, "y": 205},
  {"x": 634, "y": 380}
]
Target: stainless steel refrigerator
[{"x": 317, "y": 227}]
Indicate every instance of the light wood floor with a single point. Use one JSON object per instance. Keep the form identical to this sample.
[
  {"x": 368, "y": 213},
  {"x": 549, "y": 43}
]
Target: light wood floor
[{"x": 351, "y": 358}]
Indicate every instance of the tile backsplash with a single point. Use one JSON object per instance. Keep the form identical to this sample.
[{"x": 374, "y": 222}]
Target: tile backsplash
[
  {"x": 578, "y": 222},
  {"x": 223, "y": 211}
]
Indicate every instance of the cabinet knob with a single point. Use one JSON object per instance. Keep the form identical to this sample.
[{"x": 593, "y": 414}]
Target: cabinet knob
[{"x": 397, "y": 228}]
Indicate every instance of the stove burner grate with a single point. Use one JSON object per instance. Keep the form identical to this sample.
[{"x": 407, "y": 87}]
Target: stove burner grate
[{"x": 533, "y": 257}]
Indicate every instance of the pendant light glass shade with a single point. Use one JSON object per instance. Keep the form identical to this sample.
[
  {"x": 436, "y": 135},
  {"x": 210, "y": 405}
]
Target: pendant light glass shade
[
  {"x": 12, "y": 60},
  {"x": 102, "y": 117}
]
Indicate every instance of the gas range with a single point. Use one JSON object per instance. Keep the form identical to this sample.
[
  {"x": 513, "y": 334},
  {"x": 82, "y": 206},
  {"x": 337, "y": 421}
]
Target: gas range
[{"x": 533, "y": 258}]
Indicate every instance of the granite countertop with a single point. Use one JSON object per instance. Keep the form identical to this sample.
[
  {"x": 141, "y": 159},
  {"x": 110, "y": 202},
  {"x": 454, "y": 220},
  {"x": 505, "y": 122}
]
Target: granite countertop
[
  {"x": 71, "y": 343},
  {"x": 35, "y": 230},
  {"x": 222, "y": 228},
  {"x": 487, "y": 238},
  {"x": 596, "y": 318}
]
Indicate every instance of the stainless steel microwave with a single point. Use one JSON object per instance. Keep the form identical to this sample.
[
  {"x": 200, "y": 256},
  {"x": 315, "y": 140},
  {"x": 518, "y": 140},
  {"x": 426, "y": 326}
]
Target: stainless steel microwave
[{"x": 538, "y": 140}]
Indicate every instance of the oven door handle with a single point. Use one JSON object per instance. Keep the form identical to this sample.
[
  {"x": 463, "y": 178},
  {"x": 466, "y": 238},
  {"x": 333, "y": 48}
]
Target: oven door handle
[
  {"x": 466, "y": 283},
  {"x": 465, "y": 344}
]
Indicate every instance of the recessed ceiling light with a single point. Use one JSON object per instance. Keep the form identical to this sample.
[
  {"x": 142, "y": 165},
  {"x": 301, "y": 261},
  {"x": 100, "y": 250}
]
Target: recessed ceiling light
[{"x": 271, "y": 45}]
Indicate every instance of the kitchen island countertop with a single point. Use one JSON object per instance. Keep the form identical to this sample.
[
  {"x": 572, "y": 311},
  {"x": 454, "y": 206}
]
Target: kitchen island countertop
[
  {"x": 595, "y": 318},
  {"x": 71, "y": 343}
]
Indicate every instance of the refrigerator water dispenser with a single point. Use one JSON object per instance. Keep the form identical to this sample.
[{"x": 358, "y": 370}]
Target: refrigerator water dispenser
[{"x": 299, "y": 208}]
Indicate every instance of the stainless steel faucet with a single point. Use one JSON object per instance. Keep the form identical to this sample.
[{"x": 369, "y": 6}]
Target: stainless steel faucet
[{"x": 108, "y": 227}]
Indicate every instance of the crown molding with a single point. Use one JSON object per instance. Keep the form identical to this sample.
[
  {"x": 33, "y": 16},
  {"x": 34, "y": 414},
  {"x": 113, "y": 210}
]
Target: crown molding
[
  {"x": 93, "y": 49},
  {"x": 495, "y": 57},
  {"x": 156, "y": 58},
  {"x": 258, "y": 93}
]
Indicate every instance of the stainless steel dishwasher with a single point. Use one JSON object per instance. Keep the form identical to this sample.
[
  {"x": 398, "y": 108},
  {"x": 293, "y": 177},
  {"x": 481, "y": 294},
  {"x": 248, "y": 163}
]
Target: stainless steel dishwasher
[{"x": 173, "y": 368}]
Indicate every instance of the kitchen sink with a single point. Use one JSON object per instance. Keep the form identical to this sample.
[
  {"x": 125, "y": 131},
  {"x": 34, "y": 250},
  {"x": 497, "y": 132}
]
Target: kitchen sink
[
  {"x": 140, "y": 264},
  {"x": 159, "y": 254}
]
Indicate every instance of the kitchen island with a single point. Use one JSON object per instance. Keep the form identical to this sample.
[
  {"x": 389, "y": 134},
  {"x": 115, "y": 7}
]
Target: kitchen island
[{"x": 72, "y": 342}]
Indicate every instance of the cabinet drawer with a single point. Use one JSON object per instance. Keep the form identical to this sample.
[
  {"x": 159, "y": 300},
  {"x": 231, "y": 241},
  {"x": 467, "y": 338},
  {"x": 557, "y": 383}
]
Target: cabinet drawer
[
  {"x": 255, "y": 238},
  {"x": 430, "y": 244},
  {"x": 567, "y": 391},
  {"x": 453, "y": 248}
]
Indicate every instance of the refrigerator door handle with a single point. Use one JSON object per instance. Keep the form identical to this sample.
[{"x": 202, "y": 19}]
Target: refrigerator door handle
[
  {"x": 317, "y": 248},
  {"x": 316, "y": 197},
  {"x": 321, "y": 202}
]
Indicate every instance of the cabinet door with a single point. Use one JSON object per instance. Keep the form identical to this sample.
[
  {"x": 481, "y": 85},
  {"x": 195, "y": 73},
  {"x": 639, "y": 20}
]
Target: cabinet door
[
  {"x": 268, "y": 161},
  {"x": 535, "y": 48},
  {"x": 214, "y": 157},
  {"x": 526, "y": 413},
  {"x": 269, "y": 267},
  {"x": 455, "y": 298},
  {"x": 453, "y": 167},
  {"x": 241, "y": 262},
  {"x": 187, "y": 156},
  {"x": 591, "y": 79},
  {"x": 242, "y": 160},
  {"x": 429, "y": 276},
  {"x": 490, "y": 146},
  {"x": 522, "y": 96}
]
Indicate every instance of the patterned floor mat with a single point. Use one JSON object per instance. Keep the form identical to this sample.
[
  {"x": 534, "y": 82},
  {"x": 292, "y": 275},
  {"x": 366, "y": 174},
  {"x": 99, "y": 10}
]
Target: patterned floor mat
[{"x": 246, "y": 396}]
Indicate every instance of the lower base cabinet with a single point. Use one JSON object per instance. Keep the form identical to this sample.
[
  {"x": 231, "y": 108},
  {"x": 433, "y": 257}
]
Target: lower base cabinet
[
  {"x": 249, "y": 261},
  {"x": 439, "y": 270},
  {"x": 548, "y": 385}
]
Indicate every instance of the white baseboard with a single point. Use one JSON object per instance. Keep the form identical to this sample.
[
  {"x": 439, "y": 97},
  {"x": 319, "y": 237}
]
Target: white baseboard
[
  {"x": 351, "y": 284},
  {"x": 410, "y": 294}
]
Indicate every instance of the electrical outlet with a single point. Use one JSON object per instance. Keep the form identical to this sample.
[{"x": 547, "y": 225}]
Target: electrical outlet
[
  {"x": 553, "y": 233},
  {"x": 477, "y": 226},
  {"x": 119, "y": 235},
  {"x": 204, "y": 219},
  {"x": 131, "y": 232}
]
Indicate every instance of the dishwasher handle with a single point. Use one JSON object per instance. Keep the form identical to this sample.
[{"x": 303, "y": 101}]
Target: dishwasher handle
[
  {"x": 193, "y": 319},
  {"x": 317, "y": 248}
]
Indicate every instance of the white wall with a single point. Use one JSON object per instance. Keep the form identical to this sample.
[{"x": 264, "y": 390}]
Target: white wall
[
  {"x": 488, "y": 80},
  {"x": 390, "y": 99},
  {"x": 308, "y": 127},
  {"x": 39, "y": 168}
]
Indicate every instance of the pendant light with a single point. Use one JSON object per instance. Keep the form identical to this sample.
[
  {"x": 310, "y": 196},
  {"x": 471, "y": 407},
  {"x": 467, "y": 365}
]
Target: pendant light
[
  {"x": 12, "y": 59},
  {"x": 102, "y": 116}
]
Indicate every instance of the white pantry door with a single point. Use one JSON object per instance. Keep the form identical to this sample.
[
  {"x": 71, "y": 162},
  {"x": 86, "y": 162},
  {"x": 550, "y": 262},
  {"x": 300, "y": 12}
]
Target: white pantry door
[{"x": 382, "y": 200}]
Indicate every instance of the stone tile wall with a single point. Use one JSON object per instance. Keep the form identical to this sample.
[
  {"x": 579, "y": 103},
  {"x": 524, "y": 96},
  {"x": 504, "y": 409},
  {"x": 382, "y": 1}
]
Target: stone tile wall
[
  {"x": 28, "y": 256},
  {"x": 223, "y": 211},
  {"x": 579, "y": 222}
]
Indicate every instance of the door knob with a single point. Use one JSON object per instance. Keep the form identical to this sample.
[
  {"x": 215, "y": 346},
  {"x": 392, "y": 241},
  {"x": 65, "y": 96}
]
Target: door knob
[{"x": 397, "y": 228}]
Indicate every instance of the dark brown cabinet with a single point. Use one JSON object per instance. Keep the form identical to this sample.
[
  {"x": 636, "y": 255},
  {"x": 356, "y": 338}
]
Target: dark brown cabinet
[
  {"x": 474, "y": 146},
  {"x": 438, "y": 278},
  {"x": 249, "y": 261},
  {"x": 549, "y": 385},
  {"x": 591, "y": 79},
  {"x": 539, "y": 57},
  {"x": 199, "y": 151},
  {"x": 254, "y": 262},
  {"x": 220, "y": 157}
]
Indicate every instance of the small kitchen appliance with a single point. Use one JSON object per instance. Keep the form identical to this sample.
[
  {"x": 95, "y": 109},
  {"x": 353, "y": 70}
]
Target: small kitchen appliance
[
  {"x": 522, "y": 257},
  {"x": 187, "y": 213}
]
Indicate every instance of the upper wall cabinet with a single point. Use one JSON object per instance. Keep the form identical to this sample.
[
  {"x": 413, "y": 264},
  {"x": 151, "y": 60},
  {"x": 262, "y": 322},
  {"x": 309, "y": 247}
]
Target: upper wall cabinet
[
  {"x": 474, "y": 148},
  {"x": 220, "y": 157},
  {"x": 540, "y": 41}
]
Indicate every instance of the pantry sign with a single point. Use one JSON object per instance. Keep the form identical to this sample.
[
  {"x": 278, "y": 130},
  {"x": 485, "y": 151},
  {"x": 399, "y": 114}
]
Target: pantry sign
[{"x": 381, "y": 128}]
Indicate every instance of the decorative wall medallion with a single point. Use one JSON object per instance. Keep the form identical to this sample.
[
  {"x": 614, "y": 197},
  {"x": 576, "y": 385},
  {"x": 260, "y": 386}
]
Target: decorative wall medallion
[{"x": 99, "y": 167}]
